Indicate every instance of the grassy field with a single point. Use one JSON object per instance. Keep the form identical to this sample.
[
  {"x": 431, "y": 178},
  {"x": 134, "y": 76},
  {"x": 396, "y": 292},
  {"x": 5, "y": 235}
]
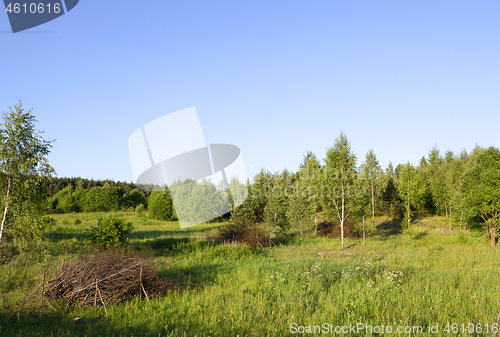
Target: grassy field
[{"x": 425, "y": 276}]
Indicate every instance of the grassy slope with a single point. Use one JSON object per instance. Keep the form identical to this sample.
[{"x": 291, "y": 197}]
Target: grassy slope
[{"x": 427, "y": 276}]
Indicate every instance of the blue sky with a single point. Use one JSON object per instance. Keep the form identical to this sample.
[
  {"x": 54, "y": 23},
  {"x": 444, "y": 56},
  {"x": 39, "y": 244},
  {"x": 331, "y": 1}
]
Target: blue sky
[{"x": 275, "y": 78}]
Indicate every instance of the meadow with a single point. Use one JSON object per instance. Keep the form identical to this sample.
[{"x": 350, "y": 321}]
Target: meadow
[{"x": 428, "y": 276}]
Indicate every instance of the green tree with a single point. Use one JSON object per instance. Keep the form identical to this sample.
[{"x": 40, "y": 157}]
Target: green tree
[
  {"x": 104, "y": 199},
  {"x": 370, "y": 172},
  {"x": 408, "y": 191},
  {"x": 301, "y": 213},
  {"x": 390, "y": 192},
  {"x": 136, "y": 198},
  {"x": 160, "y": 205},
  {"x": 23, "y": 163},
  {"x": 337, "y": 179},
  {"x": 480, "y": 189},
  {"x": 280, "y": 190}
]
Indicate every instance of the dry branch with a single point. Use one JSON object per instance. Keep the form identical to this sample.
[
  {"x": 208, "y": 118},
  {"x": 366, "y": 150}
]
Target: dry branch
[{"x": 111, "y": 276}]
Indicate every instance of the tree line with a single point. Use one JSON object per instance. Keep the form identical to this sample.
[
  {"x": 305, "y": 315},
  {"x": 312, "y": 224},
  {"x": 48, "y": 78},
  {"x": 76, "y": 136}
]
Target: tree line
[{"x": 463, "y": 187}]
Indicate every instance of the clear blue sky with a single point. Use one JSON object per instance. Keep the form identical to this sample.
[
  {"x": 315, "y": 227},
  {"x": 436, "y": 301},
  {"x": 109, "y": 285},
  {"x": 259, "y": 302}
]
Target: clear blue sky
[{"x": 276, "y": 78}]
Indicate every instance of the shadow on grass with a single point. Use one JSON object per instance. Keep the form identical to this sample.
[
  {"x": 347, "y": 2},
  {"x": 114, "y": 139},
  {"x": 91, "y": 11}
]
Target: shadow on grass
[
  {"x": 57, "y": 237},
  {"x": 154, "y": 234},
  {"x": 94, "y": 324},
  {"x": 389, "y": 228},
  {"x": 163, "y": 246}
]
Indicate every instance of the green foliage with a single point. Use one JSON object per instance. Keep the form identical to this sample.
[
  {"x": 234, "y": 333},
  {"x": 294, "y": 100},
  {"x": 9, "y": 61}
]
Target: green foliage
[
  {"x": 23, "y": 162},
  {"x": 63, "y": 202},
  {"x": 300, "y": 213},
  {"x": 338, "y": 191},
  {"x": 160, "y": 206},
  {"x": 48, "y": 223},
  {"x": 77, "y": 221},
  {"x": 140, "y": 211},
  {"x": 281, "y": 189},
  {"x": 136, "y": 198},
  {"x": 370, "y": 176},
  {"x": 110, "y": 231},
  {"x": 480, "y": 189},
  {"x": 246, "y": 212},
  {"x": 104, "y": 199},
  {"x": 408, "y": 190},
  {"x": 391, "y": 198}
]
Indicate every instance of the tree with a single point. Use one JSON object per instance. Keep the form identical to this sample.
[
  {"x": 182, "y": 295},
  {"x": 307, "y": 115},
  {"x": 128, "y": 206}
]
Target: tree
[
  {"x": 301, "y": 213},
  {"x": 408, "y": 186},
  {"x": 136, "y": 198},
  {"x": 280, "y": 190},
  {"x": 390, "y": 193},
  {"x": 104, "y": 198},
  {"x": 370, "y": 172},
  {"x": 338, "y": 178},
  {"x": 160, "y": 205},
  {"x": 23, "y": 163},
  {"x": 481, "y": 190}
]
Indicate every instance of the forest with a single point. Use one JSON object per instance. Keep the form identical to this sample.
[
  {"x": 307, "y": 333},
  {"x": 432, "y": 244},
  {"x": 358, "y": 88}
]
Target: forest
[{"x": 461, "y": 187}]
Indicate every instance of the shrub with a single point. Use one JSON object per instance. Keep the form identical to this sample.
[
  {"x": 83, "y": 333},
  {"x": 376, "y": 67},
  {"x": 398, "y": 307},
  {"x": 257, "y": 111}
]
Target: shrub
[
  {"x": 110, "y": 231},
  {"x": 160, "y": 206},
  {"x": 251, "y": 234},
  {"x": 78, "y": 221},
  {"x": 140, "y": 211},
  {"x": 48, "y": 223},
  {"x": 332, "y": 229}
]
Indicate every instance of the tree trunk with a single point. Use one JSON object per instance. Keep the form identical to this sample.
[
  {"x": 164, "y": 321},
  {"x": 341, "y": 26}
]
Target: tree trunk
[
  {"x": 342, "y": 219},
  {"x": 373, "y": 205},
  {"x": 408, "y": 211},
  {"x": 363, "y": 230},
  {"x": 5, "y": 211},
  {"x": 450, "y": 218},
  {"x": 493, "y": 237}
]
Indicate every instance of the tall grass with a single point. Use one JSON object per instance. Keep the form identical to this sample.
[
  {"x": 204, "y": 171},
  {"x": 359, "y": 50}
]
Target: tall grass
[{"x": 421, "y": 277}]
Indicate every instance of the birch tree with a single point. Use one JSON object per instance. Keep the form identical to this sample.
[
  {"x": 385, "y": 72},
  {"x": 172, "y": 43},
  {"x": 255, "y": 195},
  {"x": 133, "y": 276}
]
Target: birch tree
[
  {"x": 337, "y": 186},
  {"x": 371, "y": 171},
  {"x": 23, "y": 162}
]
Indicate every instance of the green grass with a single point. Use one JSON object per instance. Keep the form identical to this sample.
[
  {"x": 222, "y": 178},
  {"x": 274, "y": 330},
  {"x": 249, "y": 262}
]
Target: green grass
[{"x": 427, "y": 275}]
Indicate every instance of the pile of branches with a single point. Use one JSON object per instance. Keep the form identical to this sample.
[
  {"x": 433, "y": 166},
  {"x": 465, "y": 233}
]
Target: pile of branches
[{"x": 107, "y": 278}]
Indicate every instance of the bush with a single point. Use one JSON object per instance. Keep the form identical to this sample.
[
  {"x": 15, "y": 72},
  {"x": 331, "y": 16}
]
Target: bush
[
  {"x": 332, "y": 229},
  {"x": 78, "y": 221},
  {"x": 251, "y": 234},
  {"x": 140, "y": 211},
  {"x": 110, "y": 231},
  {"x": 160, "y": 206},
  {"x": 48, "y": 223}
]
